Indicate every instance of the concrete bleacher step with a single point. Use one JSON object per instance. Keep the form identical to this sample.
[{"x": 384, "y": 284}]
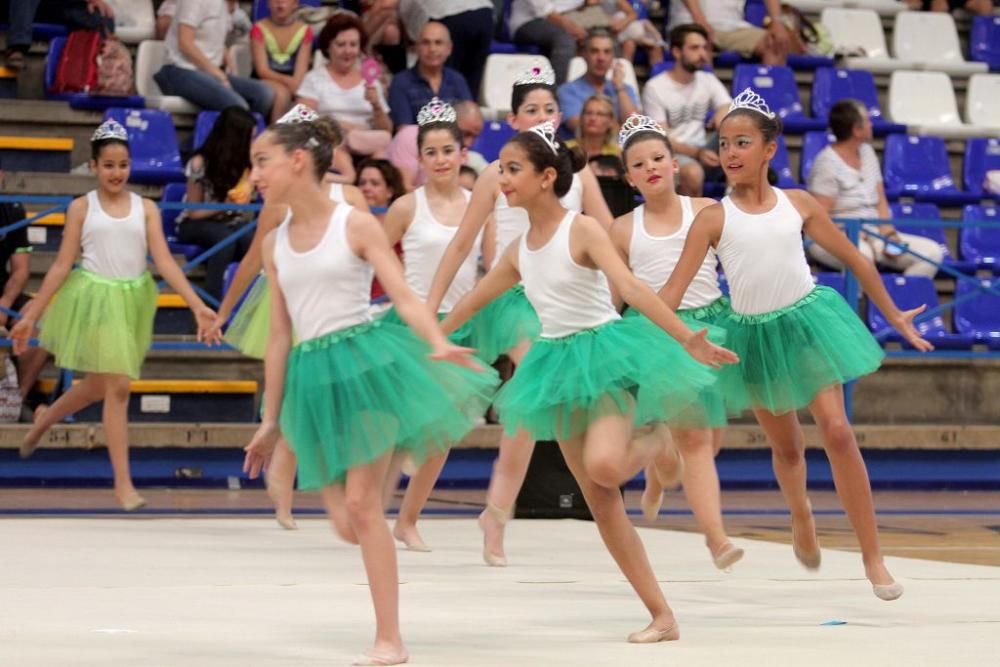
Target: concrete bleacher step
[
  {"x": 65, "y": 184},
  {"x": 171, "y": 400},
  {"x": 8, "y": 83},
  {"x": 21, "y": 153}
]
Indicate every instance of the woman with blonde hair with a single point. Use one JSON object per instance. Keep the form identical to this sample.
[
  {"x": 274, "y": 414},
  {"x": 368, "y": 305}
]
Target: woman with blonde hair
[{"x": 595, "y": 134}]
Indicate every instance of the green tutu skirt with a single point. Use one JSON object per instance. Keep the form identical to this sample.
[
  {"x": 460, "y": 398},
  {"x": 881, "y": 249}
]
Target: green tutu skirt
[
  {"x": 250, "y": 326},
  {"x": 789, "y": 355},
  {"x": 101, "y": 325},
  {"x": 353, "y": 395},
  {"x": 628, "y": 366},
  {"x": 466, "y": 335},
  {"x": 709, "y": 411},
  {"x": 505, "y": 323}
]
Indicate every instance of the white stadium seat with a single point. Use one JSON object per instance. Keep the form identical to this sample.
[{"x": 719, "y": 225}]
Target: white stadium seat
[
  {"x": 861, "y": 29},
  {"x": 135, "y": 20},
  {"x": 982, "y": 100},
  {"x": 925, "y": 102},
  {"x": 148, "y": 61},
  {"x": 930, "y": 39},
  {"x": 498, "y": 78}
]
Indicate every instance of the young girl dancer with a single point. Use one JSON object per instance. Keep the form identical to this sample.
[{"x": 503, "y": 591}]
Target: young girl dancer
[
  {"x": 509, "y": 323},
  {"x": 651, "y": 239},
  {"x": 591, "y": 375},
  {"x": 338, "y": 389},
  {"x": 798, "y": 342},
  {"x": 101, "y": 321},
  {"x": 425, "y": 221},
  {"x": 249, "y": 328}
]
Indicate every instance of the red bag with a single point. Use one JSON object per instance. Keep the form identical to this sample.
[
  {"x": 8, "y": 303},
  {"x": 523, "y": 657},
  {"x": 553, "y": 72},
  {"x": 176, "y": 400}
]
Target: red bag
[{"x": 77, "y": 71}]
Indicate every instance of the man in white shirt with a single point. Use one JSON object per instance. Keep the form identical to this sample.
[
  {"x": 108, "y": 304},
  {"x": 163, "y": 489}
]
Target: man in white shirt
[
  {"x": 542, "y": 23},
  {"x": 727, "y": 29},
  {"x": 681, "y": 99}
]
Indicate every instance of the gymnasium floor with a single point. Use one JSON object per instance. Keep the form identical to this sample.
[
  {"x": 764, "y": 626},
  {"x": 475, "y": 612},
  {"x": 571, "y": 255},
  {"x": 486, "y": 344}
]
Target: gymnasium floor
[{"x": 206, "y": 578}]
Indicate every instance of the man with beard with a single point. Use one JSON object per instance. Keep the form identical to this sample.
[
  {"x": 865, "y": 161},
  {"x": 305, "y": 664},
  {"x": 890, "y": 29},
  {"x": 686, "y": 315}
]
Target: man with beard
[{"x": 682, "y": 100}]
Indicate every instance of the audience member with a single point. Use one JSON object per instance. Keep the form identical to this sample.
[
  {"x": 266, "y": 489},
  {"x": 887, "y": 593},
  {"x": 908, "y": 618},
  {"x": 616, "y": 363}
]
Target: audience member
[
  {"x": 339, "y": 90},
  {"x": 411, "y": 89},
  {"x": 633, "y": 32},
  {"x": 542, "y": 23},
  {"x": 74, "y": 14},
  {"x": 977, "y": 7},
  {"x": 604, "y": 76},
  {"x": 404, "y": 154},
  {"x": 380, "y": 19},
  {"x": 727, "y": 29},
  {"x": 281, "y": 48},
  {"x": 381, "y": 184},
  {"x": 597, "y": 131},
  {"x": 682, "y": 99},
  {"x": 847, "y": 181}
]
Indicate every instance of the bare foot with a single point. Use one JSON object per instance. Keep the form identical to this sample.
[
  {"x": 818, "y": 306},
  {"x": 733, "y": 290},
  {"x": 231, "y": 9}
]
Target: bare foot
[
  {"x": 408, "y": 535},
  {"x": 492, "y": 527}
]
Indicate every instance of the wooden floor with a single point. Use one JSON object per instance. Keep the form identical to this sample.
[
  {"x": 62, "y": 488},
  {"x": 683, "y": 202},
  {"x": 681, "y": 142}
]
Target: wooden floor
[{"x": 957, "y": 527}]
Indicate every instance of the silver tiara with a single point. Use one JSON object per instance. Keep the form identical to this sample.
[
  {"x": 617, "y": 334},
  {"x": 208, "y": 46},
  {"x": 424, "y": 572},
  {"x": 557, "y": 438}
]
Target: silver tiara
[
  {"x": 110, "y": 129},
  {"x": 748, "y": 99},
  {"x": 635, "y": 124},
  {"x": 547, "y": 131},
  {"x": 300, "y": 113},
  {"x": 539, "y": 73},
  {"x": 436, "y": 111}
]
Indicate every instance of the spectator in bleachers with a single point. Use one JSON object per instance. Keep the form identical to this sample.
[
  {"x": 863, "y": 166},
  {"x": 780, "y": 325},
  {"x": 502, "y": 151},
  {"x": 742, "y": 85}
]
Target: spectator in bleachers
[
  {"x": 727, "y": 29},
  {"x": 632, "y": 32},
  {"x": 543, "y": 23},
  {"x": 599, "y": 54},
  {"x": 403, "y": 151},
  {"x": 846, "y": 179},
  {"x": 413, "y": 88},
  {"x": 470, "y": 23},
  {"x": 597, "y": 129},
  {"x": 339, "y": 90},
  {"x": 977, "y": 7},
  {"x": 74, "y": 14},
  {"x": 220, "y": 173},
  {"x": 384, "y": 28},
  {"x": 196, "y": 58},
  {"x": 467, "y": 177},
  {"x": 282, "y": 48},
  {"x": 381, "y": 184},
  {"x": 682, "y": 99}
]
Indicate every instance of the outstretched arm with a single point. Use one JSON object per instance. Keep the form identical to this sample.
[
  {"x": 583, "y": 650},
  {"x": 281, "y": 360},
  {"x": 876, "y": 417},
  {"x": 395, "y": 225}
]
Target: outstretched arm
[
  {"x": 705, "y": 232},
  {"x": 818, "y": 225}
]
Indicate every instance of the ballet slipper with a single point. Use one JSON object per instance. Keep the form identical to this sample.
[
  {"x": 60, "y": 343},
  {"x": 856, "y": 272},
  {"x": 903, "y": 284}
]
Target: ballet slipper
[
  {"x": 375, "y": 659},
  {"x": 653, "y": 635},
  {"x": 501, "y": 517},
  {"x": 727, "y": 556}
]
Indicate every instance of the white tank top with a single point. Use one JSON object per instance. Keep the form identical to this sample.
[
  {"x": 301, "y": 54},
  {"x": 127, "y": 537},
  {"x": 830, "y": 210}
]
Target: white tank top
[
  {"x": 513, "y": 222},
  {"x": 567, "y": 297},
  {"x": 114, "y": 247},
  {"x": 424, "y": 244},
  {"x": 763, "y": 257},
  {"x": 337, "y": 193},
  {"x": 326, "y": 288},
  {"x": 653, "y": 258}
]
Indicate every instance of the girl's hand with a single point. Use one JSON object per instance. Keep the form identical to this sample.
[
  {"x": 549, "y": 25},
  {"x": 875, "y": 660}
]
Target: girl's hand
[
  {"x": 707, "y": 352},
  {"x": 214, "y": 331},
  {"x": 903, "y": 323},
  {"x": 21, "y": 334},
  {"x": 460, "y": 356},
  {"x": 260, "y": 449},
  {"x": 206, "y": 319}
]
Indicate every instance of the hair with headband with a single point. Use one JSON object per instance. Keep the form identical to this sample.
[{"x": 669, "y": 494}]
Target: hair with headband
[
  {"x": 437, "y": 115},
  {"x": 638, "y": 128},
  {"x": 538, "y": 76},
  {"x": 751, "y": 105},
  {"x": 545, "y": 150},
  {"x": 303, "y": 129},
  {"x": 109, "y": 132}
]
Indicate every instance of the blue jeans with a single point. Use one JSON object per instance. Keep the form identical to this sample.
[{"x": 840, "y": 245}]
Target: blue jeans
[
  {"x": 205, "y": 90},
  {"x": 20, "y": 15}
]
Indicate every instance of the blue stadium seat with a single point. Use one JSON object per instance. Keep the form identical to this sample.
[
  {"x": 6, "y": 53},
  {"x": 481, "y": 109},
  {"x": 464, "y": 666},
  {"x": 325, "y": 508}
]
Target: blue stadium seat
[
  {"x": 776, "y": 84},
  {"x": 979, "y": 316},
  {"x": 82, "y": 100},
  {"x": 494, "y": 135},
  {"x": 812, "y": 144},
  {"x": 205, "y": 120},
  {"x": 152, "y": 144},
  {"x": 261, "y": 10},
  {"x": 984, "y": 41},
  {"x": 174, "y": 192},
  {"x": 918, "y": 167},
  {"x": 912, "y": 292},
  {"x": 908, "y": 219},
  {"x": 834, "y": 279},
  {"x": 780, "y": 164},
  {"x": 831, "y": 85},
  {"x": 981, "y": 155},
  {"x": 981, "y": 245}
]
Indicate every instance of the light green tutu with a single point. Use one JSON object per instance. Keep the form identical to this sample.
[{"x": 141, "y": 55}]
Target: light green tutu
[
  {"x": 505, "y": 323},
  {"x": 628, "y": 366},
  {"x": 353, "y": 395},
  {"x": 709, "y": 411},
  {"x": 466, "y": 335},
  {"x": 251, "y": 325},
  {"x": 789, "y": 355},
  {"x": 101, "y": 325}
]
